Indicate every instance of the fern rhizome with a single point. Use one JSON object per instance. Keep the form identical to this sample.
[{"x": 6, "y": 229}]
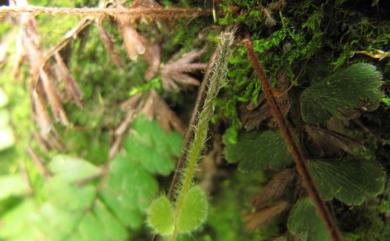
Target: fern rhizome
[{"x": 289, "y": 147}]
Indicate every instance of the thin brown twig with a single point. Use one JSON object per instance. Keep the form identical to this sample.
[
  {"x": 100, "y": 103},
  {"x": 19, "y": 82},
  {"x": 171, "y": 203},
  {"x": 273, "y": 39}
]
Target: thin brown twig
[
  {"x": 98, "y": 12},
  {"x": 38, "y": 162},
  {"x": 293, "y": 148}
]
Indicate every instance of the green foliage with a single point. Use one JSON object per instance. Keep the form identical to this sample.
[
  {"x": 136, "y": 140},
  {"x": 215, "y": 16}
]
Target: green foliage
[
  {"x": 225, "y": 208},
  {"x": 129, "y": 190},
  {"x": 350, "y": 181},
  {"x": 161, "y": 216},
  {"x": 71, "y": 169},
  {"x": 71, "y": 206},
  {"x": 354, "y": 87},
  {"x": 153, "y": 147},
  {"x": 305, "y": 223},
  {"x": 162, "y": 219},
  {"x": 258, "y": 150},
  {"x": 12, "y": 185},
  {"x": 194, "y": 211},
  {"x": 308, "y": 40}
]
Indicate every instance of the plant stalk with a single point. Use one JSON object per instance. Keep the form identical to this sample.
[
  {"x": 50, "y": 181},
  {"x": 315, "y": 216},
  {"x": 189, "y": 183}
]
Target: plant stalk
[
  {"x": 293, "y": 148},
  {"x": 216, "y": 74}
]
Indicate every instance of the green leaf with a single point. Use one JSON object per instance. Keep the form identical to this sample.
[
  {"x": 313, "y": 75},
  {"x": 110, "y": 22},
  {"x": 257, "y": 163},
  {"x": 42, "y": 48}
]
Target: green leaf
[
  {"x": 194, "y": 210},
  {"x": 12, "y": 185},
  {"x": 305, "y": 223},
  {"x": 258, "y": 150},
  {"x": 113, "y": 228},
  {"x": 160, "y": 216},
  {"x": 129, "y": 190},
  {"x": 72, "y": 168},
  {"x": 156, "y": 149},
  {"x": 350, "y": 181},
  {"x": 354, "y": 87}
]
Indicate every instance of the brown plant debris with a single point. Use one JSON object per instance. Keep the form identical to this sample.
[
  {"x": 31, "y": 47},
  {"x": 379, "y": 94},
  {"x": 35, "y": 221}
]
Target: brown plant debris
[
  {"x": 252, "y": 115},
  {"x": 39, "y": 163},
  {"x": 274, "y": 189},
  {"x": 152, "y": 57},
  {"x": 68, "y": 38},
  {"x": 108, "y": 43},
  {"x": 71, "y": 86},
  {"x": 20, "y": 54},
  {"x": 156, "y": 108},
  {"x": 332, "y": 142},
  {"x": 254, "y": 220},
  {"x": 134, "y": 42},
  {"x": 155, "y": 13},
  {"x": 30, "y": 40},
  {"x": 41, "y": 115},
  {"x": 176, "y": 72}
]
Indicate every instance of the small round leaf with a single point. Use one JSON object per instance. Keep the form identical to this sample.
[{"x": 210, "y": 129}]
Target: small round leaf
[
  {"x": 160, "y": 216},
  {"x": 194, "y": 211}
]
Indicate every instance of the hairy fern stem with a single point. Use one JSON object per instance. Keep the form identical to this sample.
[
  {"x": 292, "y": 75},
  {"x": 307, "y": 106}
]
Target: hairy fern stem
[{"x": 217, "y": 73}]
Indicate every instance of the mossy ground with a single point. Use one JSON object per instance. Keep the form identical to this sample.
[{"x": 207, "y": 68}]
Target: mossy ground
[{"x": 302, "y": 40}]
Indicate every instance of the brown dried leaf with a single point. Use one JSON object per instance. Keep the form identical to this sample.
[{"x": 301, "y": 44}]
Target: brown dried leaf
[
  {"x": 53, "y": 99},
  {"x": 108, "y": 43},
  {"x": 253, "y": 115},
  {"x": 274, "y": 189},
  {"x": 152, "y": 57},
  {"x": 176, "y": 71},
  {"x": 156, "y": 108},
  {"x": 134, "y": 42},
  {"x": 19, "y": 56},
  {"x": 71, "y": 86},
  {"x": 41, "y": 114},
  {"x": 254, "y": 220},
  {"x": 332, "y": 142},
  {"x": 30, "y": 39}
]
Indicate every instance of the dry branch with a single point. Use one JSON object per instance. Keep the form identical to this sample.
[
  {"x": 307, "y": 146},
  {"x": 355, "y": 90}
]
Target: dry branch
[{"x": 161, "y": 13}]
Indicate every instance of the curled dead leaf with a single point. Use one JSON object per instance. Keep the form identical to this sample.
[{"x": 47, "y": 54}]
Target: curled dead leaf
[{"x": 134, "y": 42}]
